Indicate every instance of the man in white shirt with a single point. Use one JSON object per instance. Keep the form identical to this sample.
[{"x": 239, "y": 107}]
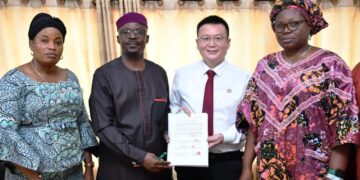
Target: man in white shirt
[{"x": 228, "y": 86}]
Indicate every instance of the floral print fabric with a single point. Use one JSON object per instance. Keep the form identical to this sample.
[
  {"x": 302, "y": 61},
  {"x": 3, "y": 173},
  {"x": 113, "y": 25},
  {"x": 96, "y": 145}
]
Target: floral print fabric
[
  {"x": 43, "y": 126},
  {"x": 300, "y": 112},
  {"x": 314, "y": 15}
]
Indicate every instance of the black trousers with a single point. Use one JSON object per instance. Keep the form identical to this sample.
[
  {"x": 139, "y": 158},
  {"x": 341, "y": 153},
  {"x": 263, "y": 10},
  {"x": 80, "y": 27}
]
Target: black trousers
[{"x": 224, "y": 166}]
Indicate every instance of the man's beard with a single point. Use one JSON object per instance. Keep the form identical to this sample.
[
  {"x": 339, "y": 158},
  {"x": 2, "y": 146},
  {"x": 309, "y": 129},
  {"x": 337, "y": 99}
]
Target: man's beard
[{"x": 134, "y": 55}]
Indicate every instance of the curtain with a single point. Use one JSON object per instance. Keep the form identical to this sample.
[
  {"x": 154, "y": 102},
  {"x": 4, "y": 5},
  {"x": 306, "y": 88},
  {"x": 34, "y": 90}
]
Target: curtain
[
  {"x": 172, "y": 28},
  {"x": 173, "y": 34},
  {"x": 106, "y": 32},
  {"x": 108, "y": 12},
  {"x": 91, "y": 38}
]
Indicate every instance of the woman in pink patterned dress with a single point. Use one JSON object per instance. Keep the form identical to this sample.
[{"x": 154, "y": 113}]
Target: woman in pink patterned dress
[{"x": 299, "y": 108}]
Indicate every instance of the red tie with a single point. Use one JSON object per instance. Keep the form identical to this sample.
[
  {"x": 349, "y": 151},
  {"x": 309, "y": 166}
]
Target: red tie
[{"x": 208, "y": 105}]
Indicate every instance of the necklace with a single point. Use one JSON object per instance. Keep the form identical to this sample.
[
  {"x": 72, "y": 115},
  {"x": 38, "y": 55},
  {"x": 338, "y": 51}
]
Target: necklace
[
  {"x": 36, "y": 71},
  {"x": 41, "y": 75},
  {"x": 294, "y": 59}
]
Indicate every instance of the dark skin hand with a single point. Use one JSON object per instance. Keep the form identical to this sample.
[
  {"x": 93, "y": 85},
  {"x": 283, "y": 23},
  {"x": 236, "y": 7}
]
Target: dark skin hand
[
  {"x": 30, "y": 174},
  {"x": 89, "y": 170},
  {"x": 339, "y": 157},
  {"x": 89, "y": 173},
  {"x": 249, "y": 156},
  {"x": 153, "y": 164}
]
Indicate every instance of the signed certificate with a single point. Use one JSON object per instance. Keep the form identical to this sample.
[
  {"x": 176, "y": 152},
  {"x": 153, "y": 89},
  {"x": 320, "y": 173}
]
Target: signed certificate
[{"x": 188, "y": 140}]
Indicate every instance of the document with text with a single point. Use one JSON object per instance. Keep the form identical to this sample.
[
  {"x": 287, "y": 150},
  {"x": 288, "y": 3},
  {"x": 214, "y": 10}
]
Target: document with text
[{"x": 188, "y": 140}]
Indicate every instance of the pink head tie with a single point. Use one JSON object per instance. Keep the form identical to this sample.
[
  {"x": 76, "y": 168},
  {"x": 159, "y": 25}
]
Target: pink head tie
[{"x": 301, "y": 10}]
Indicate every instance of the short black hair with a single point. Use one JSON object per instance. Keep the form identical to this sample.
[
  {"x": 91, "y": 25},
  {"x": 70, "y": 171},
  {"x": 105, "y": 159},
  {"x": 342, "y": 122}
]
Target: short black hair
[{"x": 213, "y": 19}]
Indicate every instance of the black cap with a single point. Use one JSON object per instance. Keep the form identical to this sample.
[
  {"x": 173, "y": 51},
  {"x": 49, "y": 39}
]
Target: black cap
[{"x": 43, "y": 20}]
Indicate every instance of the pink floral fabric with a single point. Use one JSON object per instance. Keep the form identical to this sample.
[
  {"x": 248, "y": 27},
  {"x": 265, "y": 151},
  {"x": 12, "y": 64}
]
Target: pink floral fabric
[
  {"x": 299, "y": 112},
  {"x": 313, "y": 14}
]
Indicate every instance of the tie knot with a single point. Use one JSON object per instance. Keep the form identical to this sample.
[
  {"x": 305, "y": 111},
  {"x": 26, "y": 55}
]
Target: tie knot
[{"x": 210, "y": 73}]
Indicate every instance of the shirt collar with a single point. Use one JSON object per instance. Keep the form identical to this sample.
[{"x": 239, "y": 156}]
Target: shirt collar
[{"x": 219, "y": 69}]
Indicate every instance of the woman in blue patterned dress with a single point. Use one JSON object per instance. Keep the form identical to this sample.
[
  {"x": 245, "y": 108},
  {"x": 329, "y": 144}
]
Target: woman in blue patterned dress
[{"x": 44, "y": 128}]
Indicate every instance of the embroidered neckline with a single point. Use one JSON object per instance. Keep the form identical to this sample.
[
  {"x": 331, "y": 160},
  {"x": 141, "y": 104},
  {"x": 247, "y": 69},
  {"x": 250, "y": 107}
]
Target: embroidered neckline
[{"x": 289, "y": 65}]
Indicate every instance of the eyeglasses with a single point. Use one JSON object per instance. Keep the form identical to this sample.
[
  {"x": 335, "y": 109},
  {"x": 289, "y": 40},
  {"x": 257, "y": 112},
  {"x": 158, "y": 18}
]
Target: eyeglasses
[
  {"x": 292, "y": 26},
  {"x": 207, "y": 39},
  {"x": 136, "y": 32}
]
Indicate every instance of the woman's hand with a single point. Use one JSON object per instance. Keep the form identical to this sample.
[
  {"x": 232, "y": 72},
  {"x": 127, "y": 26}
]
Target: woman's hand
[
  {"x": 89, "y": 173},
  {"x": 89, "y": 166},
  {"x": 34, "y": 176},
  {"x": 30, "y": 174},
  {"x": 246, "y": 175}
]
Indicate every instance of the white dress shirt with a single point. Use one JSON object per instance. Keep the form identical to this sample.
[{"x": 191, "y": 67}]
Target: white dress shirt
[{"x": 229, "y": 87}]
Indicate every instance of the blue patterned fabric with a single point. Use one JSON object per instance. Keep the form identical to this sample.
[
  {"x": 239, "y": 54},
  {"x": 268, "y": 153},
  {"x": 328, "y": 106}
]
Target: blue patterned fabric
[
  {"x": 75, "y": 173},
  {"x": 43, "y": 126}
]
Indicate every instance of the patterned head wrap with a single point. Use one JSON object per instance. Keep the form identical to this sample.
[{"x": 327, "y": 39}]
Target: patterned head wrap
[{"x": 313, "y": 13}]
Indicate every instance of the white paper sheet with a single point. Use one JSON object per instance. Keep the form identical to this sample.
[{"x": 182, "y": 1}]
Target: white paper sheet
[{"x": 188, "y": 140}]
